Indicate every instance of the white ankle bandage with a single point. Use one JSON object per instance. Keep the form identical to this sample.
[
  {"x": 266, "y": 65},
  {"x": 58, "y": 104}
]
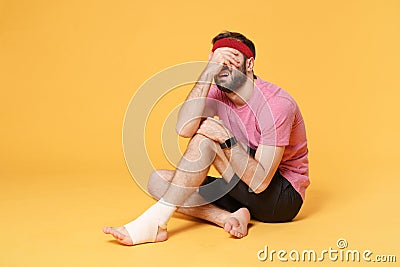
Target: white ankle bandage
[{"x": 145, "y": 227}]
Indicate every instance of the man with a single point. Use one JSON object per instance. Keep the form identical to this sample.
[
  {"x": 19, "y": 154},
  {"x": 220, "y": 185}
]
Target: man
[{"x": 258, "y": 145}]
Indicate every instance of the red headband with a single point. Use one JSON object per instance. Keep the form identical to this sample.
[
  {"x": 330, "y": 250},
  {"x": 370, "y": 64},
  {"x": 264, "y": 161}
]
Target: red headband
[{"x": 233, "y": 43}]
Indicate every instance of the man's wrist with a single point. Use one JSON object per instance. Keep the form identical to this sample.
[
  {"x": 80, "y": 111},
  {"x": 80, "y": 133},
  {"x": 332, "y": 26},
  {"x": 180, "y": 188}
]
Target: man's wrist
[{"x": 209, "y": 72}]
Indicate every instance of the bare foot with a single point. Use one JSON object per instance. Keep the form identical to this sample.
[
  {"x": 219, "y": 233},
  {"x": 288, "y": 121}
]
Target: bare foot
[
  {"x": 122, "y": 236},
  {"x": 236, "y": 224}
]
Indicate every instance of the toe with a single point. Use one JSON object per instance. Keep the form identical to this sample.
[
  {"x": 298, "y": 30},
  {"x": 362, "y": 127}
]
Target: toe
[
  {"x": 119, "y": 235},
  {"x": 106, "y": 230},
  {"x": 228, "y": 227},
  {"x": 237, "y": 234},
  {"x": 235, "y": 223}
]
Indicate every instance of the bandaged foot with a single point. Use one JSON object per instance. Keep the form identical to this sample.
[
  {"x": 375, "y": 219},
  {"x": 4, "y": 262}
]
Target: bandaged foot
[{"x": 149, "y": 227}]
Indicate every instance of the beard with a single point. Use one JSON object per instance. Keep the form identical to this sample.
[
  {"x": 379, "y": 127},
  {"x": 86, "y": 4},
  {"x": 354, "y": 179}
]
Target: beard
[{"x": 236, "y": 79}]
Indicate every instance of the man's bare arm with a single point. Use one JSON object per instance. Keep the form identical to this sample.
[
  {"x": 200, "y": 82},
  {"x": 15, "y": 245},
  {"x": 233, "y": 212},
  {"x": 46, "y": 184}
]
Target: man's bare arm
[
  {"x": 192, "y": 110},
  {"x": 256, "y": 172}
]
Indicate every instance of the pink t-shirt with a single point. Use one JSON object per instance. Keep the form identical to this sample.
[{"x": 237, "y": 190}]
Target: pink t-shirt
[{"x": 271, "y": 117}]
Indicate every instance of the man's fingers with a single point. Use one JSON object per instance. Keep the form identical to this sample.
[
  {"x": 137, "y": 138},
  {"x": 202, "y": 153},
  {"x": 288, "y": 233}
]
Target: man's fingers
[
  {"x": 230, "y": 53},
  {"x": 228, "y": 50},
  {"x": 203, "y": 132},
  {"x": 227, "y": 63},
  {"x": 234, "y": 60},
  {"x": 200, "y": 131},
  {"x": 229, "y": 56},
  {"x": 208, "y": 125}
]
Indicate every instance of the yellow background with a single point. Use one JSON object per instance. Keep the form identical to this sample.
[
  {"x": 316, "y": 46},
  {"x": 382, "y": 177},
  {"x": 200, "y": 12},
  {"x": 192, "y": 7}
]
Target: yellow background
[{"x": 68, "y": 70}]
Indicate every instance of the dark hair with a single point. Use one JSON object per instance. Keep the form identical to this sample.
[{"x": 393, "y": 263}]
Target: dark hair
[{"x": 237, "y": 36}]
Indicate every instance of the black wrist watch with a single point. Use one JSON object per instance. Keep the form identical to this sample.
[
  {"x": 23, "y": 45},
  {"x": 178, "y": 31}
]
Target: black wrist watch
[{"x": 229, "y": 143}]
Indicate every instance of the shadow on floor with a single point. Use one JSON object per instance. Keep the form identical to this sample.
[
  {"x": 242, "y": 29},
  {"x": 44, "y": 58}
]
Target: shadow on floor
[{"x": 314, "y": 203}]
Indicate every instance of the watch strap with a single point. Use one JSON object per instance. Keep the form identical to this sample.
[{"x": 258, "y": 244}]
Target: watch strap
[{"x": 229, "y": 143}]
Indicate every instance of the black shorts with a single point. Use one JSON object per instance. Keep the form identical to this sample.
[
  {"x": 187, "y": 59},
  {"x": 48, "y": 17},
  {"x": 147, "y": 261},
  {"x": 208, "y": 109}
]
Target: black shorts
[{"x": 279, "y": 202}]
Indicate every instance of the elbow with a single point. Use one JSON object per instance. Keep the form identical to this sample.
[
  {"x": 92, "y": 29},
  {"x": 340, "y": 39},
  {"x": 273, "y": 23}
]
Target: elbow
[
  {"x": 262, "y": 186},
  {"x": 187, "y": 129},
  {"x": 259, "y": 190},
  {"x": 263, "y": 183},
  {"x": 184, "y": 132},
  {"x": 185, "y": 135}
]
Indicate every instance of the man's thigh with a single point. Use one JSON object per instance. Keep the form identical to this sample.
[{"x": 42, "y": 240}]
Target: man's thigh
[
  {"x": 215, "y": 191},
  {"x": 279, "y": 202}
]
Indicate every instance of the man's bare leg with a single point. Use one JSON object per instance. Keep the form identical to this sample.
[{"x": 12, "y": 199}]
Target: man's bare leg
[
  {"x": 234, "y": 223},
  {"x": 191, "y": 172}
]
